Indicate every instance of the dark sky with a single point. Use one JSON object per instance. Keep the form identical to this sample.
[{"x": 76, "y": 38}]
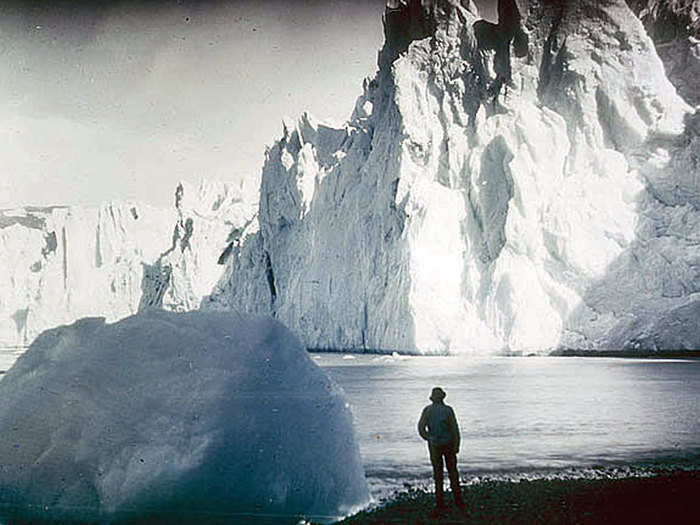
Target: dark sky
[{"x": 120, "y": 100}]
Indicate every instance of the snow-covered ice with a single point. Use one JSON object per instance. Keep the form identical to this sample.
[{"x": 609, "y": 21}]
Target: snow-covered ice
[{"x": 183, "y": 415}]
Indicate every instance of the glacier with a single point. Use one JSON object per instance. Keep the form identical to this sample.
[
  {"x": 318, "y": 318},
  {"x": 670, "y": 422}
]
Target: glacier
[
  {"x": 484, "y": 198},
  {"x": 522, "y": 187},
  {"x": 66, "y": 262},
  {"x": 197, "y": 417},
  {"x": 675, "y": 28}
]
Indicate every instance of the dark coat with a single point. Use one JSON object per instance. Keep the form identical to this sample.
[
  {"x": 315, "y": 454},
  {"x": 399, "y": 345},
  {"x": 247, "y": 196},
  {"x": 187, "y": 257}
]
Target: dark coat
[{"x": 438, "y": 425}]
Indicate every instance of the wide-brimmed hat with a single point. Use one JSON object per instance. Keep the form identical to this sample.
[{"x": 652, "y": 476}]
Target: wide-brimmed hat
[{"x": 438, "y": 394}]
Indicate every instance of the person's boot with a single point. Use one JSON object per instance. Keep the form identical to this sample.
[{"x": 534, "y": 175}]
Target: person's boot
[
  {"x": 439, "y": 509},
  {"x": 459, "y": 501}
]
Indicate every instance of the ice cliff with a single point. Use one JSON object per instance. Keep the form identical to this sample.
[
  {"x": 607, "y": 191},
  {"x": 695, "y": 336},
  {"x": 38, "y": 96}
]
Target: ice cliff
[
  {"x": 63, "y": 263},
  {"x": 518, "y": 186},
  {"x": 674, "y": 25},
  {"x": 168, "y": 417}
]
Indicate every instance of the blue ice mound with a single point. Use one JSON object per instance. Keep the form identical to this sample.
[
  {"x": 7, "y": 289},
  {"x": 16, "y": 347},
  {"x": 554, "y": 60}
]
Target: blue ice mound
[{"x": 179, "y": 417}]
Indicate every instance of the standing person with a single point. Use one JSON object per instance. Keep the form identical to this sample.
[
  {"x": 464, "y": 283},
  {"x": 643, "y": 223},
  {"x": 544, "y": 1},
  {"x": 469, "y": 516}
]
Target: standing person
[{"x": 438, "y": 426}]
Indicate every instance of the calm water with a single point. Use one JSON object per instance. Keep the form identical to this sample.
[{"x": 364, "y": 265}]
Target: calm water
[
  {"x": 8, "y": 355},
  {"x": 522, "y": 415}
]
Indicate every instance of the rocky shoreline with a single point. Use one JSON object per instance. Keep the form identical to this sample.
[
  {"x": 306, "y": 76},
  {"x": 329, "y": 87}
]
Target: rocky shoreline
[{"x": 666, "y": 497}]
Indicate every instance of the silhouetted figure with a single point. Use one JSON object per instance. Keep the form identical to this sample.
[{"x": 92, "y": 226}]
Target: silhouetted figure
[
  {"x": 438, "y": 426},
  {"x": 498, "y": 37}
]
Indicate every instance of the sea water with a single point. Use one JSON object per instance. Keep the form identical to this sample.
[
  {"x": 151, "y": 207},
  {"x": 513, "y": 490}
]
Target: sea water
[
  {"x": 519, "y": 416},
  {"x": 522, "y": 416},
  {"x": 8, "y": 356}
]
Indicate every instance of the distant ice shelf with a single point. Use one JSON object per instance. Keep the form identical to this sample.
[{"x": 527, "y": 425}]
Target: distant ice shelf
[{"x": 62, "y": 263}]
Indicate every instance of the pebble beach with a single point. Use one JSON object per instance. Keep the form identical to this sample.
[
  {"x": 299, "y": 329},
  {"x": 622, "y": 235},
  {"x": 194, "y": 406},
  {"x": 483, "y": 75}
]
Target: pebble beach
[{"x": 659, "y": 498}]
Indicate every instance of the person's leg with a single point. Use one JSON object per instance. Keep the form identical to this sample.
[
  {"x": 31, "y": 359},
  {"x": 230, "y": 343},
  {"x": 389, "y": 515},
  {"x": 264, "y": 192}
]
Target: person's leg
[
  {"x": 451, "y": 463},
  {"x": 436, "y": 460}
]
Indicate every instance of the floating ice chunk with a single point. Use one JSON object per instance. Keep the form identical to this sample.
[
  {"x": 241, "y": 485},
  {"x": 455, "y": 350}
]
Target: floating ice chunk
[{"x": 178, "y": 417}]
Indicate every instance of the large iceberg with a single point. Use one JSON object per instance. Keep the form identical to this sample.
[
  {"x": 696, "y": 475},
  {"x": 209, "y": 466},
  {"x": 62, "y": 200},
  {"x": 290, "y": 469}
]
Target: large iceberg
[
  {"x": 187, "y": 417},
  {"x": 515, "y": 187}
]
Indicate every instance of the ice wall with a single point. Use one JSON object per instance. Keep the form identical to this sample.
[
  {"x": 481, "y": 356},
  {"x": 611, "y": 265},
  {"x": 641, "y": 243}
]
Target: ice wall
[
  {"x": 675, "y": 28},
  {"x": 527, "y": 187},
  {"x": 209, "y": 221},
  {"x": 62, "y": 263},
  {"x": 168, "y": 417}
]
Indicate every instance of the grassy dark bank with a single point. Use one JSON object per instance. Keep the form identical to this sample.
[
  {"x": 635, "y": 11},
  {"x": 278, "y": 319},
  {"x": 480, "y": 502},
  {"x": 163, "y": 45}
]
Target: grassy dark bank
[{"x": 669, "y": 498}]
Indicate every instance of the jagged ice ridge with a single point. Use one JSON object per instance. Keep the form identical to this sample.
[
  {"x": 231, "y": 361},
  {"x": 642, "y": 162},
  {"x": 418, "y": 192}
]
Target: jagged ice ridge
[{"x": 484, "y": 199}]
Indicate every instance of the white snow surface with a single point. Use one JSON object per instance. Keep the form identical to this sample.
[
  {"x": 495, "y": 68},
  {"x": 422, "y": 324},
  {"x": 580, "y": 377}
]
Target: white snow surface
[
  {"x": 562, "y": 214},
  {"x": 186, "y": 417},
  {"x": 62, "y": 263}
]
